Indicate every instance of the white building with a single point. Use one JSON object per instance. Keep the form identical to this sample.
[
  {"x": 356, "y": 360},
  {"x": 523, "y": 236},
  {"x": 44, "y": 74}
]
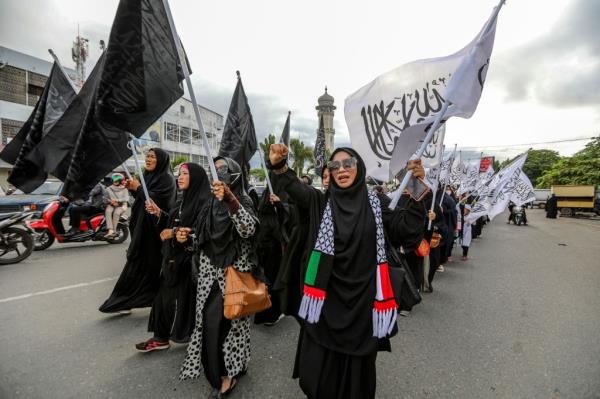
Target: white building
[
  {"x": 176, "y": 132},
  {"x": 327, "y": 110}
]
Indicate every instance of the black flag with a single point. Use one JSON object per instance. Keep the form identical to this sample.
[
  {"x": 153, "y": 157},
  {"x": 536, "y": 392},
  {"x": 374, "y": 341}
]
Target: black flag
[
  {"x": 285, "y": 134},
  {"x": 134, "y": 82},
  {"x": 320, "y": 148},
  {"x": 142, "y": 74},
  {"x": 56, "y": 97},
  {"x": 239, "y": 136}
]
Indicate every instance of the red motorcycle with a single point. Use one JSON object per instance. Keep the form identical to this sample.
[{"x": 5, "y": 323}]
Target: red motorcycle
[{"x": 50, "y": 228}]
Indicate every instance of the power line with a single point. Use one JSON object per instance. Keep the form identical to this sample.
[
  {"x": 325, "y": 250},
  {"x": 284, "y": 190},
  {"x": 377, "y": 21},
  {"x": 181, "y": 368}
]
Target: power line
[{"x": 527, "y": 144}]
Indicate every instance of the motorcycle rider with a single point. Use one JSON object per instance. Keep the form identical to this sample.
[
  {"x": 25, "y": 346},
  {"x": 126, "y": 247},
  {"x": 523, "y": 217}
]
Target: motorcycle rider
[
  {"x": 94, "y": 205},
  {"x": 511, "y": 213}
]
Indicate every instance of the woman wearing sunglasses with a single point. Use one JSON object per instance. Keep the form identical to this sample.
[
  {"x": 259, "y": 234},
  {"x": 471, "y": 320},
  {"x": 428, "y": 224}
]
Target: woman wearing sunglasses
[{"x": 348, "y": 307}]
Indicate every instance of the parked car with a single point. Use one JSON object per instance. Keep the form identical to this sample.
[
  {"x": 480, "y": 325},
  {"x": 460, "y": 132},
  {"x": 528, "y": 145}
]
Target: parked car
[{"x": 36, "y": 201}]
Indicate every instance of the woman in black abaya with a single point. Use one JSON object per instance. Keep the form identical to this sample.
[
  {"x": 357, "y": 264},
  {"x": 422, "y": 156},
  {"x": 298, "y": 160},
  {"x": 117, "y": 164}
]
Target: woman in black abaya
[
  {"x": 348, "y": 308},
  {"x": 139, "y": 281},
  {"x": 173, "y": 312},
  {"x": 220, "y": 347}
]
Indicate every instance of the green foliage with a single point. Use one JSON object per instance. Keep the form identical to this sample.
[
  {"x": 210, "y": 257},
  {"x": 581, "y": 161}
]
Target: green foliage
[
  {"x": 582, "y": 168},
  {"x": 178, "y": 160},
  {"x": 266, "y": 144},
  {"x": 538, "y": 162},
  {"x": 259, "y": 173},
  {"x": 301, "y": 154}
]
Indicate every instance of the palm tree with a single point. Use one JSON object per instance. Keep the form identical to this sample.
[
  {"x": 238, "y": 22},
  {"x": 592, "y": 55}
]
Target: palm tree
[
  {"x": 301, "y": 153},
  {"x": 266, "y": 144}
]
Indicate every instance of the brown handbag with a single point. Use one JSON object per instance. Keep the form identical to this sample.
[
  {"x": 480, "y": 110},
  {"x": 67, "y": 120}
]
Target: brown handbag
[{"x": 244, "y": 294}]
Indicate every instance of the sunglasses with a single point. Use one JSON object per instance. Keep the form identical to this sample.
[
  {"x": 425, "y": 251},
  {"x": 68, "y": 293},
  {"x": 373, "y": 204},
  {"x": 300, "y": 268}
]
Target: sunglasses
[{"x": 348, "y": 163}]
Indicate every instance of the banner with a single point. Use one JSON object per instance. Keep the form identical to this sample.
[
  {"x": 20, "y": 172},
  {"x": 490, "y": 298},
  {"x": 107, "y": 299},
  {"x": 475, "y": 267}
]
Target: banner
[
  {"x": 319, "y": 151},
  {"x": 485, "y": 163},
  {"x": 378, "y": 113}
]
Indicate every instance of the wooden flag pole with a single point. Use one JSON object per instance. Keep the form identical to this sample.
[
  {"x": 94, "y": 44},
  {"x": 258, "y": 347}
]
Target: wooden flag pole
[
  {"x": 186, "y": 74},
  {"x": 408, "y": 175}
]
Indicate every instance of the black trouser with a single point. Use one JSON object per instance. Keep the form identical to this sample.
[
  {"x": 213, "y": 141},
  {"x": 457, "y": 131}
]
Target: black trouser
[
  {"x": 215, "y": 329},
  {"x": 76, "y": 213}
]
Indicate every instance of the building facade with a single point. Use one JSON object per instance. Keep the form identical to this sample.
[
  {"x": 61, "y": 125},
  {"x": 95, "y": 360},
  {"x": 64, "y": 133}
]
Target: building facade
[
  {"x": 327, "y": 110},
  {"x": 22, "y": 81}
]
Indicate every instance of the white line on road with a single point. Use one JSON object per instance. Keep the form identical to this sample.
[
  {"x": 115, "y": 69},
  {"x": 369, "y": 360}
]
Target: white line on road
[{"x": 68, "y": 287}]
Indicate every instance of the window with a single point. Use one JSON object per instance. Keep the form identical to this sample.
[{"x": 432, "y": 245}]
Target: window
[
  {"x": 10, "y": 128},
  {"x": 196, "y": 138},
  {"x": 182, "y": 109},
  {"x": 184, "y": 135},
  {"x": 171, "y": 133}
]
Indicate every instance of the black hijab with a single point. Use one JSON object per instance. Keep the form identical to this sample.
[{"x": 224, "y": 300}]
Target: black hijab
[
  {"x": 160, "y": 181},
  {"x": 217, "y": 236},
  {"x": 195, "y": 197}
]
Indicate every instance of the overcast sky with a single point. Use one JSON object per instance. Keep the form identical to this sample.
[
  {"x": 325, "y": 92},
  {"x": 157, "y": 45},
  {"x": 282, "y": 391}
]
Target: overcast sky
[{"x": 543, "y": 83}]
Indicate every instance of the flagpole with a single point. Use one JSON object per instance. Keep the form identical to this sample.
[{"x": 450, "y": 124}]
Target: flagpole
[
  {"x": 437, "y": 183},
  {"x": 262, "y": 162},
  {"x": 449, "y": 172},
  {"x": 186, "y": 74},
  {"x": 408, "y": 175},
  {"x": 137, "y": 165}
]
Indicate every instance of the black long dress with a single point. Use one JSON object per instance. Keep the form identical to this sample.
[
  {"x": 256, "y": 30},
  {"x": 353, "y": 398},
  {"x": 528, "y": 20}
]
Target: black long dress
[
  {"x": 271, "y": 241},
  {"x": 173, "y": 313},
  {"x": 139, "y": 281},
  {"x": 336, "y": 356}
]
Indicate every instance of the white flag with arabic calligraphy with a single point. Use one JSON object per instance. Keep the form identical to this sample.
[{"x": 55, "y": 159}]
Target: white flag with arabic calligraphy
[{"x": 379, "y": 112}]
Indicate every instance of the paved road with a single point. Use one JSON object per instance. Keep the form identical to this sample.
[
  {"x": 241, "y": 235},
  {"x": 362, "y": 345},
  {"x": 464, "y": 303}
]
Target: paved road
[{"x": 520, "y": 319}]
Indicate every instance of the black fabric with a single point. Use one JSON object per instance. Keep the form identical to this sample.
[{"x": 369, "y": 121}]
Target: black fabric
[
  {"x": 327, "y": 374},
  {"x": 304, "y": 218},
  {"x": 285, "y": 134},
  {"x": 142, "y": 73},
  {"x": 174, "y": 308},
  {"x": 552, "y": 207},
  {"x": 239, "y": 137},
  {"x": 215, "y": 330},
  {"x": 58, "y": 93},
  {"x": 272, "y": 237},
  {"x": 319, "y": 151},
  {"x": 216, "y": 233},
  {"x": 139, "y": 281}
]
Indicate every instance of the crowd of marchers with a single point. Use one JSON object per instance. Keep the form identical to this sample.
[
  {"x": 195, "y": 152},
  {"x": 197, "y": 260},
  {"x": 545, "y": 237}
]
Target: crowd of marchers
[{"x": 336, "y": 259}]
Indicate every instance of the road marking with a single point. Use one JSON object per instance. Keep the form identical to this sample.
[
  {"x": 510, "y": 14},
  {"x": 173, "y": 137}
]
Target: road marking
[{"x": 68, "y": 287}]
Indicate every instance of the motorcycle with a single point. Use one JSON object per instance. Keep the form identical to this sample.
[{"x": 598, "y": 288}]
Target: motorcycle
[
  {"x": 50, "y": 228},
  {"x": 518, "y": 215},
  {"x": 14, "y": 240}
]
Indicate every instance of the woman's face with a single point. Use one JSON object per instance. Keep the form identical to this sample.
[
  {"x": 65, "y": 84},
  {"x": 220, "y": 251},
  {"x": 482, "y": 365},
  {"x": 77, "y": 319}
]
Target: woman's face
[
  {"x": 150, "y": 161},
  {"x": 326, "y": 179},
  {"x": 183, "y": 180},
  {"x": 344, "y": 170}
]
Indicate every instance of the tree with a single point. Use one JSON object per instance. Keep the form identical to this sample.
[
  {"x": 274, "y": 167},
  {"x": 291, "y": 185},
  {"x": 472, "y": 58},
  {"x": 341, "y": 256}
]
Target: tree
[
  {"x": 259, "y": 173},
  {"x": 538, "y": 162},
  {"x": 301, "y": 153},
  {"x": 266, "y": 144},
  {"x": 582, "y": 168},
  {"x": 178, "y": 160}
]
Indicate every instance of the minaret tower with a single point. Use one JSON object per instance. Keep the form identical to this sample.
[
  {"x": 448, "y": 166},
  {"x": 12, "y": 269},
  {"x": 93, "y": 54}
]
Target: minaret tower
[{"x": 326, "y": 108}]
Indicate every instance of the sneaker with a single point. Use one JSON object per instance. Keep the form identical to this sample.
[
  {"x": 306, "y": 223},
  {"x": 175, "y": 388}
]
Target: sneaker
[
  {"x": 404, "y": 313},
  {"x": 72, "y": 231},
  {"x": 152, "y": 345},
  {"x": 440, "y": 269}
]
